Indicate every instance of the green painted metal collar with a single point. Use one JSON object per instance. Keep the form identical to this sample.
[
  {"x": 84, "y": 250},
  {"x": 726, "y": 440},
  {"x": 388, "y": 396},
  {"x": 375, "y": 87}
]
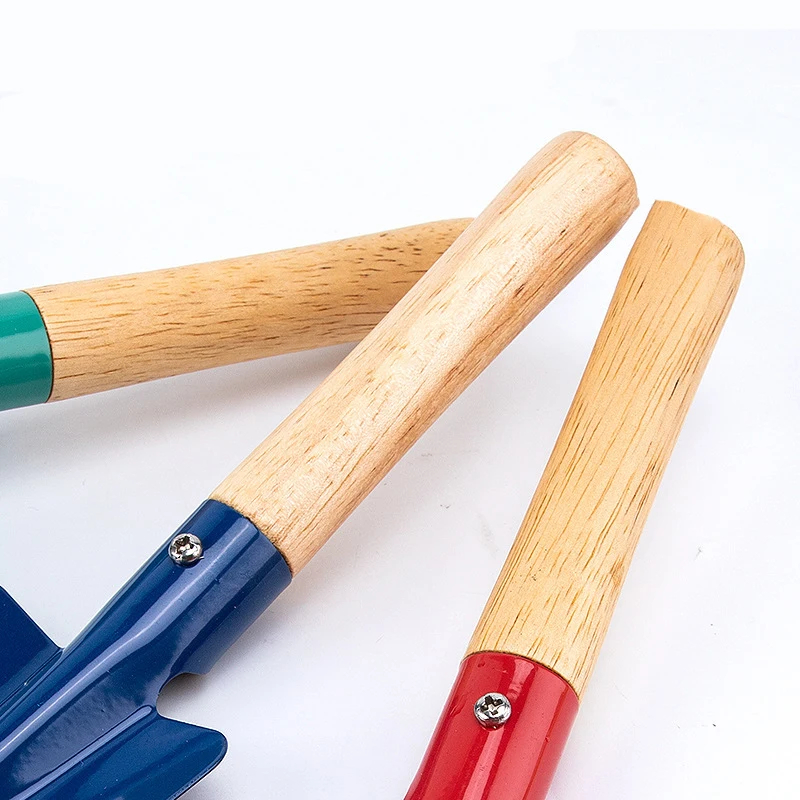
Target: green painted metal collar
[{"x": 26, "y": 364}]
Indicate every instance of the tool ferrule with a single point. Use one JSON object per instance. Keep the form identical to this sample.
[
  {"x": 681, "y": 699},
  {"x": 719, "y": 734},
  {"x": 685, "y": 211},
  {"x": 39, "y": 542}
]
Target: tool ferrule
[{"x": 26, "y": 364}]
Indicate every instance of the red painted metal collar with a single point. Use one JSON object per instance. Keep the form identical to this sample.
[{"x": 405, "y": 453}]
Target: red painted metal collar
[{"x": 516, "y": 761}]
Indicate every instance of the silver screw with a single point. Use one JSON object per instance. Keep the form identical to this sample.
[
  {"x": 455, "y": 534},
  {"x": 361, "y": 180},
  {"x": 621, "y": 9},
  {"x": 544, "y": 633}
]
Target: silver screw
[
  {"x": 185, "y": 549},
  {"x": 493, "y": 710}
]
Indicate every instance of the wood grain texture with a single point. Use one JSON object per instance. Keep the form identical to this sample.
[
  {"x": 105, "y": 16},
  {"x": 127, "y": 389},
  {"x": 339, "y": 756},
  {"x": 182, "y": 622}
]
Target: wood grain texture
[
  {"x": 550, "y": 220},
  {"x": 134, "y": 328},
  {"x": 556, "y": 593}
]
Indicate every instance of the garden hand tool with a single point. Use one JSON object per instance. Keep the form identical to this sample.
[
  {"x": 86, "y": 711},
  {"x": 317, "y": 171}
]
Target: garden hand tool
[
  {"x": 78, "y": 338},
  {"x": 81, "y": 724},
  {"x": 516, "y": 694}
]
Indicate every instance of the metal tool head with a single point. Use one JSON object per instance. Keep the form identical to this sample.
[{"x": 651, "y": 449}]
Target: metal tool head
[{"x": 81, "y": 723}]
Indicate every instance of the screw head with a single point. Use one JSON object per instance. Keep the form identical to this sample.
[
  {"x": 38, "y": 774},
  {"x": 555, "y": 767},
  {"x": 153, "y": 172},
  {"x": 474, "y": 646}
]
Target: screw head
[
  {"x": 493, "y": 710},
  {"x": 185, "y": 549}
]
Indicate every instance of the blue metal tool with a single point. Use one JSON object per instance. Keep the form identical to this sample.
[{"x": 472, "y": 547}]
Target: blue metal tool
[{"x": 81, "y": 723}]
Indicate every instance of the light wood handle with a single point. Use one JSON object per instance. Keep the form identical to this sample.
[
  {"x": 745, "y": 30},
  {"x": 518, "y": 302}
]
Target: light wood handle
[
  {"x": 134, "y": 328},
  {"x": 553, "y": 217},
  {"x": 556, "y": 593}
]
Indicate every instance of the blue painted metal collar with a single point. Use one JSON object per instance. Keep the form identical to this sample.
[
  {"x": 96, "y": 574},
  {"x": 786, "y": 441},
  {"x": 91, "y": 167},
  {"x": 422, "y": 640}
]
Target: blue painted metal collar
[{"x": 81, "y": 724}]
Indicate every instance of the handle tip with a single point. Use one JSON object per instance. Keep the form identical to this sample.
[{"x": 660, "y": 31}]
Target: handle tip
[
  {"x": 713, "y": 244},
  {"x": 614, "y": 164}
]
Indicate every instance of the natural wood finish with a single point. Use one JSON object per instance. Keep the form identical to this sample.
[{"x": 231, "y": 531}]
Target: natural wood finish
[
  {"x": 119, "y": 331},
  {"x": 553, "y": 217},
  {"x": 555, "y": 596}
]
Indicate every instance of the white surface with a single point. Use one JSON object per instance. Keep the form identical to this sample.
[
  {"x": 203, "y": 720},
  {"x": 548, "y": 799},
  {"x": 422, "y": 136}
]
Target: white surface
[{"x": 131, "y": 143}]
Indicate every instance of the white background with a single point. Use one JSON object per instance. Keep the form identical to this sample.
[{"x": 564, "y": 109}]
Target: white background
[{"x": 171, "y": 134}]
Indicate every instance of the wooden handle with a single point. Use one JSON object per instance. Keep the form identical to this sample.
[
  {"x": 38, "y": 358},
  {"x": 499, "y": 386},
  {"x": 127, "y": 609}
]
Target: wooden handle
[
  {"x": 134, "y": 328},
  {"x": 553, "y": 217},
  {"x": 555, "y": 596}
]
